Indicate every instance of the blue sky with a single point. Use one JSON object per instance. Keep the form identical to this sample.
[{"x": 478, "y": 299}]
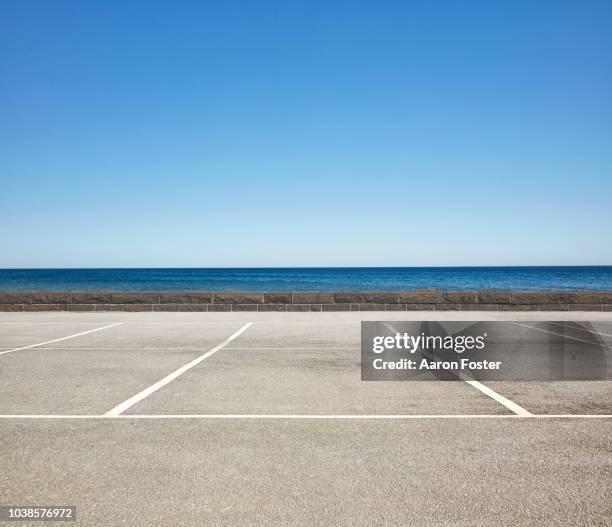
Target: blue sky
[{"x": 305, "y": 133}]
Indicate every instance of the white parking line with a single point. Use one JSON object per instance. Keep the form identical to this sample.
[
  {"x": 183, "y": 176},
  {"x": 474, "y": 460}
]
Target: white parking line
[
  {"x": 504, "y": 401},
  {"x": 584, "y": 330},
  {"x": 43, "y": 323},
  {"x": 511, "y": 405},
  {"x": 288, "y": 348},
  {"x": 187, "y": 348},
  {"x": 60, "y": 339},
  {"x": 557, "y": 334},
  {"x": 310, "y": 416},
  {"x": 120, "y": 408},
  {"x": 121, "y": 348}
]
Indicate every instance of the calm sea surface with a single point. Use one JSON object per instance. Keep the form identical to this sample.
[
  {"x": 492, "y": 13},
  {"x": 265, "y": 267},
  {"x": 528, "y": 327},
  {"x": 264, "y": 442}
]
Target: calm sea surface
[{"x": 310, "y": 279}]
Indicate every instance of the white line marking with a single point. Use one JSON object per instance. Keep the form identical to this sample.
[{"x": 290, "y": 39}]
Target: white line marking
[
  {"x": 311, "y": 416},
  {"x": 580, "y": 329},
  {"x": 299, "y": 348},
  {"x": 558, "y": 334},
  {"x": 510, "y": 405},
  {"x": 44, "y": 323},
  {"x": 120, "y": 408},
  {"x": 61, "y": 338},
  {"x": 164, "y": 348},
  {"x": 111, "y": 348}
]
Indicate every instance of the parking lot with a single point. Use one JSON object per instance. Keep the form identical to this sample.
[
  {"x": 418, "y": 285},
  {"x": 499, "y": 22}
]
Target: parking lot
[{"x": 262, "y": 418}]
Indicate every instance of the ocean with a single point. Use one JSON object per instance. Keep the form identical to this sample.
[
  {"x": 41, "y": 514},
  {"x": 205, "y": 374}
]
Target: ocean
[{"x": 311, "y": 279}]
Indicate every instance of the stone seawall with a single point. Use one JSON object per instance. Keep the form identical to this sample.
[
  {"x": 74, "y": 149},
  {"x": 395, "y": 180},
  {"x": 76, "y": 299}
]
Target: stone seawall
[{"x": 423, "y": 300}]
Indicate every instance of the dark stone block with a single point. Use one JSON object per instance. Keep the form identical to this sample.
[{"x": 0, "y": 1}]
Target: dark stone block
[
  {"x": 381, "y": 298},
  {"x": 420, "y": 307},
  {"x": 11, "y": 307},
  {"x": 529, "y": 298},
  {"x": 421, "y": 297},
  {"x": 91, "y": 297},
  {"x": 448, "y": 307},
  {"x": 244, "y": 307},
  {"x": 277, "y": 298},
  {"x": 237, "y": 298},
  {"x": 273, "y": 307},
  {"x": 372, "y": 307},
  {"x": 493, "y": 297},
  {"x": 586, "y": 307},
  {"x": 109, "y": 307},
  {"x": 135, "y": 298},
  {"x": 184, "y": 308},
  {"x": 185, "y": 298},
  {"x": 336, "y": 307},
  {"x": 315, "y": 307},
  {"x": 561, "y": 297},
  {"x": 137, "y": 307},
  {"x": 80, "y": 307},
  {"x": 17, "y": 297},
  {"x": 518, "y": 307},
  {"x": 51, "y": 297},
  {"x": 481, "y": 307},
  {"x": 44, "y": 307},
  {"x": 349, "y": 298},
  {"x": 553, "y": 307},
  {"x": 594, "y": 298},
  {"x": 461, "y": 297},
  {"x": 217, "y": 307},
  {"x": 312, "y": 298},
  {"x": 166, "y": 307},
  {"x": 298, "y": 307},
  {"x": 396, "y": 307}
]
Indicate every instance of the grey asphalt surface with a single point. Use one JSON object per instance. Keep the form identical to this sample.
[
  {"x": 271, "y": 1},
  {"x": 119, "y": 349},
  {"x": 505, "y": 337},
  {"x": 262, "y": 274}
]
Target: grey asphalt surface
[{"x": 200, "y": 471}]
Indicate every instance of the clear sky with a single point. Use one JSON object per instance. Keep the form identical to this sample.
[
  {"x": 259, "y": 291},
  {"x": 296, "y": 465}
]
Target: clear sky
[{"x": 196, "y": 134}]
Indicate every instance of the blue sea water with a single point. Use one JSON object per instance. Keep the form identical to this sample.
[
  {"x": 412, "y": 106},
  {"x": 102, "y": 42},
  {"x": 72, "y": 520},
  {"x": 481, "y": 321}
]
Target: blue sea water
[{"x": 310, "y": 279}]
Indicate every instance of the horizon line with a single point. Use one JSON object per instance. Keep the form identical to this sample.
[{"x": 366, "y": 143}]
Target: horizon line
[{"x": 302, "y": 267}]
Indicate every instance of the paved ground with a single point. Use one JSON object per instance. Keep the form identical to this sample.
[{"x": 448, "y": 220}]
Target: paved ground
[{"x": 165, "y": 419}]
